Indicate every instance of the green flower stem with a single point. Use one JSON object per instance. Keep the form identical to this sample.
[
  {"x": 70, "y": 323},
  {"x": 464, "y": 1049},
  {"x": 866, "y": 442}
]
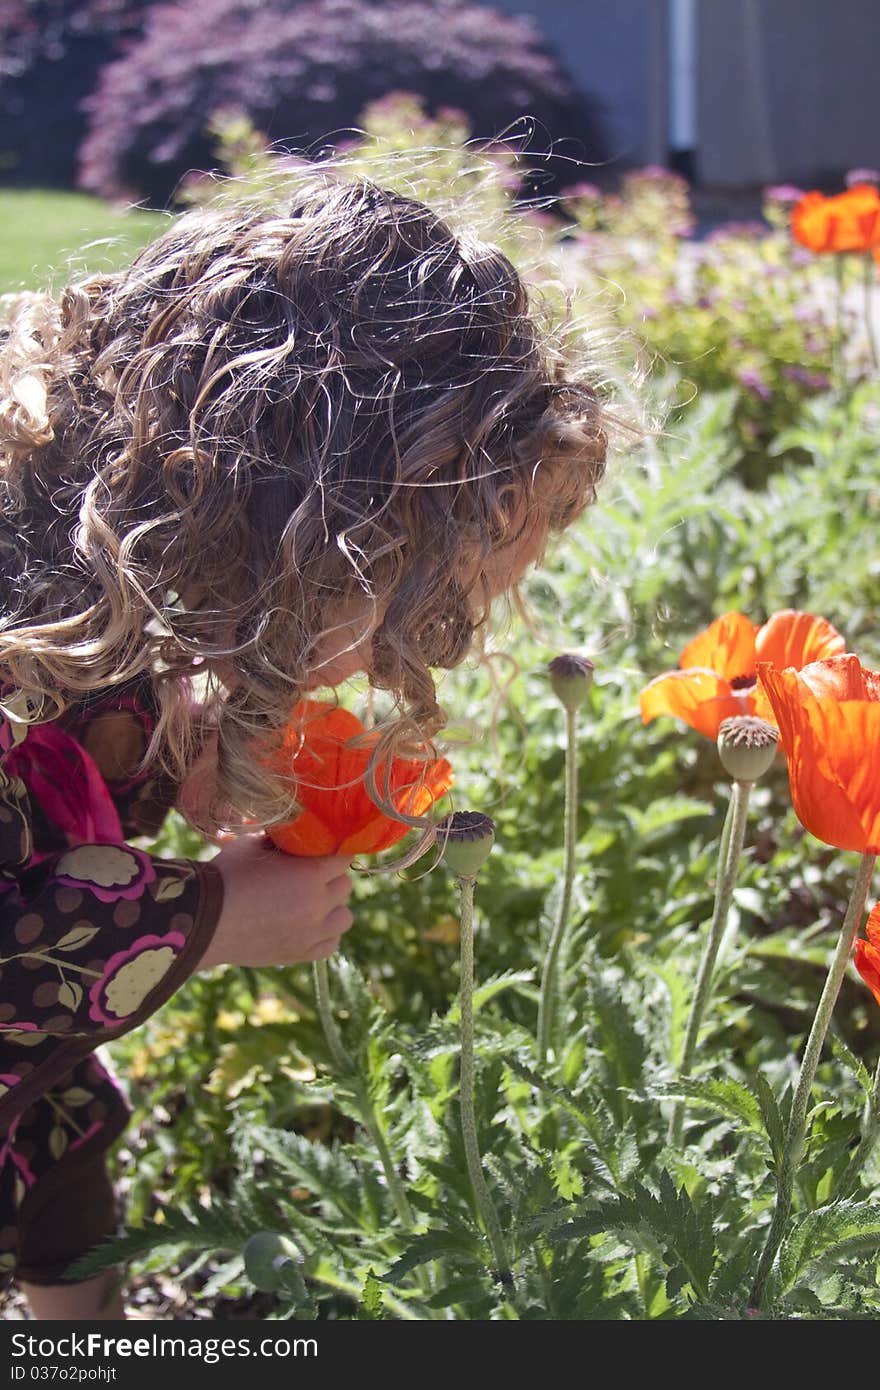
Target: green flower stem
[
  {"x": 368, "y": 1116},
  {"x": 838, "y": 368},
  {"x": 341, "y": 1059},
  {"x": 797, "y": 1124},
  {"x": 547, "y": 1001},
  {"x": 482, "y": 1197},
  {"x": 730, "y": 849},
  {"x": 870, "y": 275}
]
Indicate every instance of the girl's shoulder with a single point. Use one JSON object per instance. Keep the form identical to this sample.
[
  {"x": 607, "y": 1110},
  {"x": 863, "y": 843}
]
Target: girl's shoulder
[{"x": 115, "y": 727}]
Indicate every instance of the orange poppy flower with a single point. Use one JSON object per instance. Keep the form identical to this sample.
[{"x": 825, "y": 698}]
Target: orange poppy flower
[
  {"x": 829, "y": 724},
  {"x": 718, "y": 675},
  {"x": 868, "y": 954},
  {"x": 338, "y": 814},
  {"x": 849, "y": 221}
]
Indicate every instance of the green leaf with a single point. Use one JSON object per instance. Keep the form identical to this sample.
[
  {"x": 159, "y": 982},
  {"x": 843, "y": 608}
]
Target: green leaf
[
  {"x": 666, "y": 813},
  {"x": 490, "y": 989},
  {"x": 679, "y": 988},
  {"x": 373, "y": 1297},
  {"x": 429, "y": 1246},
  {"x": 772, "y": 1117},
  {"x": 721, "y": 1095},
  {"x": 219, "y": 1228},
  {"x": 856, "y": 1067},
  {"x": 842, "y": 1229}
]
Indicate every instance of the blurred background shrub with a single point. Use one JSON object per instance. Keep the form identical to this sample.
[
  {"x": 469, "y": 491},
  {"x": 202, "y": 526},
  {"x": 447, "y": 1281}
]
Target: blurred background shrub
[{"x": 302, "y": 72}]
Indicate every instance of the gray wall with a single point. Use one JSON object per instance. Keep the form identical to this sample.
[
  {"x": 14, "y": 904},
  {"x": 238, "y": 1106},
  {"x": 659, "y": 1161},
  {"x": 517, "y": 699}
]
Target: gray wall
[
  {"x": 787, "y": 89},
  {"x": 817, "y": 65},
  {"x": 616, "y": 52}
]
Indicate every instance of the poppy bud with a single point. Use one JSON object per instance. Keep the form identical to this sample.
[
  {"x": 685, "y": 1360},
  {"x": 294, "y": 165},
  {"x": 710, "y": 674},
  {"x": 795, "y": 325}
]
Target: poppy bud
[
  {"x": 271, "y": 1261},
  {"x": 571, "y": 677},
  {"x": 746, "y": 746},
  {"x": 466, "y": 838}
]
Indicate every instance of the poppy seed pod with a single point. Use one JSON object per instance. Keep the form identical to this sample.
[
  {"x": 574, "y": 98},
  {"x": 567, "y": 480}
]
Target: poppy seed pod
[
  {"x": 270, "y": 1259},
  {"x": 746, "y": 746},
  {"x": 466, "y": 838},
  {"x": 571, "y": 677}
]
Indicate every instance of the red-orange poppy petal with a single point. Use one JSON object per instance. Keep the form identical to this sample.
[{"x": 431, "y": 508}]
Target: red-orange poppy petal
[
  {"x": 847, "y": 222},
  {"x": 867, "y": 962},
  {"x": 809, "y": 224},
  {"x": 726, "y": 647},
  {"x": 833, "y": 749},
  {"x": 415, "y": 787},
  {"x": 701, "y": 698},
  {"x": 790, "y": 638},
  {"x": 338, "y": 814},
  {"x": 377, "y": 834},
  {"x": 841, "y": 678},
  {"x": 306, "y": 836}
]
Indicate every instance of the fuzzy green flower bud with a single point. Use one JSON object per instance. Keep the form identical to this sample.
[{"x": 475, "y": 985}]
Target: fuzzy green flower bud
[
  {"x": 571, "y": 677},
  {"x": 746, "y": 746},
  {"x": 466, "y": 837},
  {"x": 272, "y": 1261}
]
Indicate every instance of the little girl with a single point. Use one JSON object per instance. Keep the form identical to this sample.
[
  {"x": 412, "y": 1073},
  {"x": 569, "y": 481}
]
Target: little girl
[{"x": 282, "y": 447}]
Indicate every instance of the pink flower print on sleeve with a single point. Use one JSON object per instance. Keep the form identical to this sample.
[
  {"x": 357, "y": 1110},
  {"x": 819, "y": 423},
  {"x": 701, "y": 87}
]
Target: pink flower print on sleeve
[
  {"x": 111, "y": 872},
  {"x": 61, "y": 776},
  {"x": 130, "y": 975}
]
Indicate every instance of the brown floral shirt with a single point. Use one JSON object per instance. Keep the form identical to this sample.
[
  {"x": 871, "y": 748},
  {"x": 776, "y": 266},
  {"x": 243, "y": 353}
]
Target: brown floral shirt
[{"x": 94, "y": 936}]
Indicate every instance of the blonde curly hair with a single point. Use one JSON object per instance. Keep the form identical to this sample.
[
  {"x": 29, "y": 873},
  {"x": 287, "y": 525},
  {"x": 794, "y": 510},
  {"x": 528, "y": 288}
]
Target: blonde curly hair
[{"x": 269, "y": 413}]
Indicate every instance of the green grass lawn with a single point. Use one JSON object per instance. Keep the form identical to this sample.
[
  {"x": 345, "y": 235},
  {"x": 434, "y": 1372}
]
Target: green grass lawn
[{"x": 48, "y": 236}]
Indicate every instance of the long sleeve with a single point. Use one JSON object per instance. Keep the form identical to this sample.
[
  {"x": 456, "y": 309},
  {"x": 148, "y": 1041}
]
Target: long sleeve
[{"x": 93, "y": 939}]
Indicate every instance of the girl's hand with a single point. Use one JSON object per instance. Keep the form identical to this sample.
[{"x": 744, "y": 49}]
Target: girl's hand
[{"x": 277, "y": 909}]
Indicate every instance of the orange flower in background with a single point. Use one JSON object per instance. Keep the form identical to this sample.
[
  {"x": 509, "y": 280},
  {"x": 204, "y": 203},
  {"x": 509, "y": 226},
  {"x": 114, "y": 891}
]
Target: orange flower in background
[
  {"x": 849, "y": 221},
  {"x": 339, "y": 816},
  {"x": 829, "y": 724},
  {"x": 868, "y": 954},
  {"x": 718, "y": 675}
]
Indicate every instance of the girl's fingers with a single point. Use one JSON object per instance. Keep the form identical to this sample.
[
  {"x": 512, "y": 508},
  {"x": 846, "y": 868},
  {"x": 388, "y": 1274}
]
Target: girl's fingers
[
  {"x": 337, "y": 864},
  {"x": 322, "y": 949},
  {"x": 338, "y": 921},
  {"x": 339, "y": 888}
]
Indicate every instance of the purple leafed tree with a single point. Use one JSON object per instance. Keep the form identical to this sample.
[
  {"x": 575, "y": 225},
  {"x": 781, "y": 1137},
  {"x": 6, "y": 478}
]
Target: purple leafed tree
[
  {"x": 50, "y": 54},
  {"x": 305, "y": 71}
]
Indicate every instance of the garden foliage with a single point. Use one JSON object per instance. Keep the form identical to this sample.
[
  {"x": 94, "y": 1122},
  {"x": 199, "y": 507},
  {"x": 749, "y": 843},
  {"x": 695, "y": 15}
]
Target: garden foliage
[{"x": 260, "y": 1162}]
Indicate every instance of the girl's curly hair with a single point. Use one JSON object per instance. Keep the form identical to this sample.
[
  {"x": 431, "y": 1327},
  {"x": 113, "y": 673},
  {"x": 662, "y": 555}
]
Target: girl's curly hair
[{"x": 270, "y": 412}]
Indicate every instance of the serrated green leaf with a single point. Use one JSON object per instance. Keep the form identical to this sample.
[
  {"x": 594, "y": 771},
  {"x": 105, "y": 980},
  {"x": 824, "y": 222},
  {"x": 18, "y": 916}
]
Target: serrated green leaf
[
  {"x": 430, "y": 1245},
  {"x": 679, "y": 990},
  {"x": 490, "y": 989},
  {"x": 373, "y": 1297},
  {"x": 772, "y": 1117},
  {"x": 721, "y": 1095},
  {"x": 218, "y": 1228},
  {"x": 855, "y": 1066},
  {"x": 834, "y": 1231}
]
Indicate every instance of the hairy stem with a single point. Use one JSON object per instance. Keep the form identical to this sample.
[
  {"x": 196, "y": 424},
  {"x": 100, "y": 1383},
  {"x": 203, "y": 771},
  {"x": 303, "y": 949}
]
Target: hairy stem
[
  {"x": 547, "y": 1001},
  {"x": 797, "y": 1124},
  {"x": 482, "y": 1196},
  {"x": 870, "y": 275},
  {"x": 730, "y": 849},
  {"x": 837, "y": 358}
]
